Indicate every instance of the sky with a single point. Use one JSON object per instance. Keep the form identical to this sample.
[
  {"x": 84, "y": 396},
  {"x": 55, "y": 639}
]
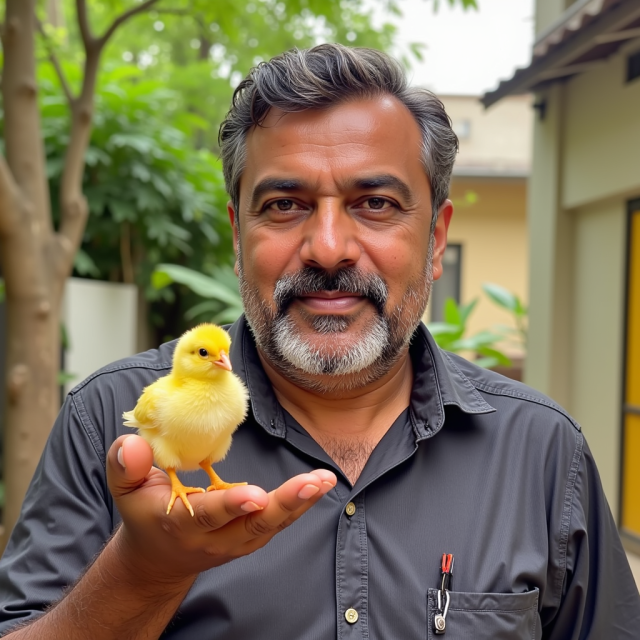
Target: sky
[{"x": 467, "y": 52}]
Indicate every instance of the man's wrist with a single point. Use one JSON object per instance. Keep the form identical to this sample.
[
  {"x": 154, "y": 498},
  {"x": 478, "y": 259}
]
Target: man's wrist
[{"x": 140, "y": 572}]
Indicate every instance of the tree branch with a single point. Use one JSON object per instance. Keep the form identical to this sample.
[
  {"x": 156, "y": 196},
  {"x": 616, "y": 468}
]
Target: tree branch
[
  {"x": 73, "y": 205},
  {"x": 56, "y": 63},
  {"x": 83, "y": 24},
  {"x": 143, "y": 6}
]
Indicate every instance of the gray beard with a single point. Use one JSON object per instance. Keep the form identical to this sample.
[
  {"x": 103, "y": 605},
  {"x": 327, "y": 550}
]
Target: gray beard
[{"x": 327, "y": 366}]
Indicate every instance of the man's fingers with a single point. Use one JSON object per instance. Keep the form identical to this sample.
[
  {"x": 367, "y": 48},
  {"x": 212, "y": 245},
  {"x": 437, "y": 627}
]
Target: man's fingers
[
  {"x": 129, "y": 460},
  {"x": 287, "y": 503},
  {"x": 215, "y": 509}
]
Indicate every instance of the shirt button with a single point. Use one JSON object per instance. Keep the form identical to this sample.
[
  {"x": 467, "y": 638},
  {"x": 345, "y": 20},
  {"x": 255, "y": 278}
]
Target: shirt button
[
  {"x": 350, "y": 509},
  {"x": 351, "y": 615}
]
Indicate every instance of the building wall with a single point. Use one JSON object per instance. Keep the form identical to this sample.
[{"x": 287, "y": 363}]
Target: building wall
[
  {"x": 601, "y": 134},
  {"x": 586, "y": 167},
  {"x": 597, "y": 340},
  {"x": 495, "y": 141},
  {"x": 493, "y": 235}
]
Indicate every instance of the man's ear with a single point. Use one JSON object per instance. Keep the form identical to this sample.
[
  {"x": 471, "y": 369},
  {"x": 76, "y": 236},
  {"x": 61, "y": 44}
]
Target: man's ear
[
  {"x": 440, "y": 236},
  {"x": 232, "y": 219}
]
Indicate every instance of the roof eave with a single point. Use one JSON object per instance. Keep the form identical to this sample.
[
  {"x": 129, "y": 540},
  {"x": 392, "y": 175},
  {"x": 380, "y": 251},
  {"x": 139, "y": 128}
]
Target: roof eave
[{"x": 557, "y": 62}]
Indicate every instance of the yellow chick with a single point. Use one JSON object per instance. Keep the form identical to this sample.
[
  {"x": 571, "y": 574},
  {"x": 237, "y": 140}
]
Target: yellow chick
[{"x": 189, "y": 415}]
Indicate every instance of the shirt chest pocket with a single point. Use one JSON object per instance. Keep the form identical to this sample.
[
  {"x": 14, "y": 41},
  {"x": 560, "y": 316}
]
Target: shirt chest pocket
[{"x": 486, "y": 616}]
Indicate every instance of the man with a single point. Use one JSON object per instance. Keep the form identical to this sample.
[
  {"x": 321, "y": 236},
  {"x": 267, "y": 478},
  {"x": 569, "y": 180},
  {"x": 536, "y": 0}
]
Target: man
[{"x": 338, "y": 176}]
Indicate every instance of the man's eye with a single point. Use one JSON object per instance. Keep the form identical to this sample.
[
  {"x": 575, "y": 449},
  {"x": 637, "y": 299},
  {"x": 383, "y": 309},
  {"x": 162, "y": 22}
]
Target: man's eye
[
  {"x": 376, "y": 203},
  {"x": 283, "y": 205}
]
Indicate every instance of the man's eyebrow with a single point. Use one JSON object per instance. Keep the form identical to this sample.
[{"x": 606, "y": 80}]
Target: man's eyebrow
[
  {"x": 383, "y": 181},
  {"x": 272, "y": 184}
]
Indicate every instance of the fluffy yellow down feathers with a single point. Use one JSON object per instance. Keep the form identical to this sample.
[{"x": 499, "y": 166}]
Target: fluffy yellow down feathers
[{"x": 189, "y": 415}]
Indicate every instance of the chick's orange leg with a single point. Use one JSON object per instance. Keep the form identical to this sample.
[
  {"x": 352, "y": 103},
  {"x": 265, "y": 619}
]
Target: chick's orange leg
[
  {"x": 216, "y": 481},
  {"x": 178, "y": 489}
]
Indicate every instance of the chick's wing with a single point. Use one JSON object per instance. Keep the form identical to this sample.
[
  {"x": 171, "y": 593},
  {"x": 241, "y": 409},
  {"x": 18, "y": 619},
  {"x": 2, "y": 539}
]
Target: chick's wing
[{"x": 145, "y": 415}]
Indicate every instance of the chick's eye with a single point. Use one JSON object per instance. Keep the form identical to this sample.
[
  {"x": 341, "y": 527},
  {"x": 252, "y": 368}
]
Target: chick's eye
[{"x": 203, "y": 352}]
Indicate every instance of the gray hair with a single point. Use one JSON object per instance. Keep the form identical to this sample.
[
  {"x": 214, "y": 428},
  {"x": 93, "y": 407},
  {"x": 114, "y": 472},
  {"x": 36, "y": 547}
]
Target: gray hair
[{"x": 324, "y": 76}]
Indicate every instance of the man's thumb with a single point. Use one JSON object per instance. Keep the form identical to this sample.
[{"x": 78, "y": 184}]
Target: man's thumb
[{"x": 128, "y": 462}]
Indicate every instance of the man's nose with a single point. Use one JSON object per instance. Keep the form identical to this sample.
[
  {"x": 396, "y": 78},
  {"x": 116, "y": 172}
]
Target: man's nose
[{"x": 330, "y": 238}]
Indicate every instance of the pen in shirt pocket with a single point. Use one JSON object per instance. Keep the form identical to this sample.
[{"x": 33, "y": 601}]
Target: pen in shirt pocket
[{"x": 443, "y": 597}]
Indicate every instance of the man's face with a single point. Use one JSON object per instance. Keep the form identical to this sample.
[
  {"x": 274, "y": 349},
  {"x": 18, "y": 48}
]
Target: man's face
[{"x": 335, "y": 261}]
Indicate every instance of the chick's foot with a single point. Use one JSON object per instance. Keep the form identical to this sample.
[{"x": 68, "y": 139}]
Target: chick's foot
[
  {"x": 178, "y": 489},
  {"x": 216, "y": 482}
]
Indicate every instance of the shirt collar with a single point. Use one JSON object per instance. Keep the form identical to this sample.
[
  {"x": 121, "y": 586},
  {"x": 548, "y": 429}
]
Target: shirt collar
[{"x": 438, "y": 383}]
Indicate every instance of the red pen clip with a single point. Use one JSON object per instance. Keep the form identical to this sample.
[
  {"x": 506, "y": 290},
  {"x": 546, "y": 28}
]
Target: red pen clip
[
  {"x": 447, "y": 571},
  {"x": 443, "y": 597}
]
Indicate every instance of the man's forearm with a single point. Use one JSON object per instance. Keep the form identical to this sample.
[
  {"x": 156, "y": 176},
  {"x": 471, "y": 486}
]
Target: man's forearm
[{"x": 112, "y": 600}]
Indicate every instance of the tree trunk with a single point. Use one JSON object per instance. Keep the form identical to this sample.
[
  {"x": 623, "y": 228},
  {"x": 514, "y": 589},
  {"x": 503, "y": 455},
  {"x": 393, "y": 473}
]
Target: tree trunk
[
  {"x": 32, "y": 298},
  {"x": 36, "y": 259},
  {"x": 32, "y": 393}
]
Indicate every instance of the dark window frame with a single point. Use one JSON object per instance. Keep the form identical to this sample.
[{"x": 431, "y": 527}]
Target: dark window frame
[
  {"x": 633, "y": 66},
  {"x": 436, "y": 312}
]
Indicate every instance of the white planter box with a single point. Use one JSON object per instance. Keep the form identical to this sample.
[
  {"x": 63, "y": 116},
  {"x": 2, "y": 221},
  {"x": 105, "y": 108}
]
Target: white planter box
[{"x": 100, "y": 319}]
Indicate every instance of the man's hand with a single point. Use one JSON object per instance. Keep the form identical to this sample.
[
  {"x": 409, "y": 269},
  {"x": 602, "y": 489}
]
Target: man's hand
[{"x": 227, "y": 524}]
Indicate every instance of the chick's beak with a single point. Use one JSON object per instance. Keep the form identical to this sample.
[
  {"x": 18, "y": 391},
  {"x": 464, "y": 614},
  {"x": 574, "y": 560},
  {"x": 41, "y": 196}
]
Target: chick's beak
[{"x": 224, "y": 362}]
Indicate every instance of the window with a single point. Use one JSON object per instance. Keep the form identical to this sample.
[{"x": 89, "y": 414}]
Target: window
[
  {"x": 633, "y": 66},
  {"x": 448, "y": 285},
  {"x": 462, "y": 128}
]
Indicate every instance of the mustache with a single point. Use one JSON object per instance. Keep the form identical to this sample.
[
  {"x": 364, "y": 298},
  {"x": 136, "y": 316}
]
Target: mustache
[{"x": 345, "y": 280}]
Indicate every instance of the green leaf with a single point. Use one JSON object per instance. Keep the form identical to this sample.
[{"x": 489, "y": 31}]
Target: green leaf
[
  {"x": 417, "y": 49},
  {"x": 486, "y": 363},
  {"x": 65, "y": 376},
  {"x": 229, "y": 315},
  {"x": 466, "y": 309},
  {"x": 84, "y": 264},
  {"x": 500, "y": 357},
  {"x": 160, "y": 279},
  {"x": 501, "y": 296},
  {"x": 451, "y": 313},
  {"x": 208, "y": 306},
  {"x": 478, "y": 341},
  {"x": 445, "y": 334},
  {"x": 201, "y": 284},
  {"x": 443, "y": 329},
  {"x": 65, "y": 343}
]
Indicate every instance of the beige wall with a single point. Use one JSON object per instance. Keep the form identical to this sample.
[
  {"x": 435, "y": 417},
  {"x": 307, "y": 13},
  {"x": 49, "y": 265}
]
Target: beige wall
[
  {"x": 498, "y": 140},
  {"x": 598, "y": 306},
  {"x": 493, "y": 234},
  {"x": 602, "y": 134}
]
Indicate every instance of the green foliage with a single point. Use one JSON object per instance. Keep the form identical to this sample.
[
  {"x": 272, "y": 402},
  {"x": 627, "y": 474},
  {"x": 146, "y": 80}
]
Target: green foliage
[
  {"x": 513, "y": 304},
  {"x": 222, "y": 302},
  {"x": 466, "y": 4},
  {"x": 451, "y": 333},
  {"x": 201, "y": 49},
  {"x": 153, "y": 183},
  {"x": 152, "y": 196}
]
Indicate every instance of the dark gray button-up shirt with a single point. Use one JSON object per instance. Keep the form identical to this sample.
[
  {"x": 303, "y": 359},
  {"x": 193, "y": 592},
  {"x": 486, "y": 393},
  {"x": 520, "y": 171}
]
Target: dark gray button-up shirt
[{"x": 478, "y": 466}]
